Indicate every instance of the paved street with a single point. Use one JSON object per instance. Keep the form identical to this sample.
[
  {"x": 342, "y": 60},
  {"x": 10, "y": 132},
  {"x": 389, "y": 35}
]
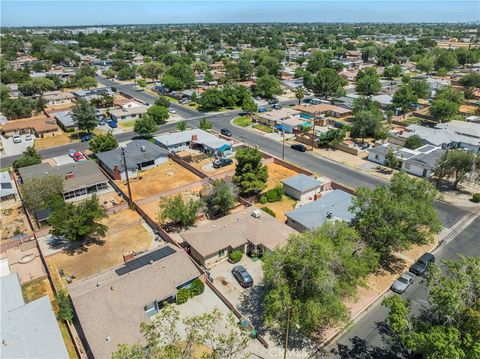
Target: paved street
[{"x": 369, "y": 338}]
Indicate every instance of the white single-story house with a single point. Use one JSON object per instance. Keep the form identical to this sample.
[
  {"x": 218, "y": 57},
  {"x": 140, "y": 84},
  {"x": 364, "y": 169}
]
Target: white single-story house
[
  {"x": 7, "y": 187},
  {"x": 303, "y": 188},
  {"x": 139, "y": 155},
  {"x": 196, "y": 138},
  {"x": 58, "y": 97},
  {"x": 128, "y": 113}
]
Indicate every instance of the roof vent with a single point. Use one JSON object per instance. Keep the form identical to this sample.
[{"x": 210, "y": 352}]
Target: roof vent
[
  {"x": 108, "y": 338},
  {"x": 256, "y": 213},
  {"x": 98, "y": 284},
  {"x": 143, "y": 148},
  {"x": 329, "y": 215}
]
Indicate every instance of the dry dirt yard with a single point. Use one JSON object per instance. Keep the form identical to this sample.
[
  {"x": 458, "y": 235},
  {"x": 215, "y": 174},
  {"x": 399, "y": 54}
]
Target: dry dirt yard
[
  {"x": 280, "y": 207},
  {"x": 277, "y": 173},
  {"x": 159, "y": 179},
  {"x": 13, "y": 221},
  {"x": 206, "y": 166},
  {"x": 126, "y": 233}
]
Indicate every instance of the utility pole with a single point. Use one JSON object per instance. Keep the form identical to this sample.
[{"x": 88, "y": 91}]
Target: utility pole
[
  {"x": 313, "y": 133},
  {"x": 130, "y": 200},
  {"x": 286, "y": 333},
  {"x": 283, "y": 144}
]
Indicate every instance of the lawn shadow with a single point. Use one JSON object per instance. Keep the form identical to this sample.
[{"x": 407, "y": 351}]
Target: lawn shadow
[
  {"x": 392, "y": 263},
  {"x": 74, "y": 247}
]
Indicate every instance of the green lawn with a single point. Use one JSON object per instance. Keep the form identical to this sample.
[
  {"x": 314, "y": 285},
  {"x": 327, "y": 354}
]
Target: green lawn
[
  {"x": 411, "y": 120},
  {"x": 126, "y": 124},
  {"x": 243, "y": 121},
  {"x": 263, "y": 128}
]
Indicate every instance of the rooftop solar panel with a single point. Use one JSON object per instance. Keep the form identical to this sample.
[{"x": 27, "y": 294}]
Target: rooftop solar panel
[{"x": 144, "y": 260}]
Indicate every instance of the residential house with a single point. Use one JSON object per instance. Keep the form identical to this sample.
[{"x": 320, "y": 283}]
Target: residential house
[
  {"x": 28, "y": 330},
  {"x": 334, "y": 205},
  {"x": 303, "y": 188},
  {"x": 110, "y": 306},
  {"x": 139, "y": 155},
  {"x": 65, "y": 120},
  {"x": 128, "y": 113},
  {"x": 80, "y": 179},
  {"x": 321, "y": 111},
  {"x": 420, "y": 162},
  {"x": 249, "y": 230},
  {"x": 7, "y": 187},
  {"x": 58, "y": 98},
  {"x": 193, "y": 139},
  {"x": 93, "y": 93},
  {"x": 293, "y": 84},
  {"x": 38, "y": 125},
  {"x": 275, "y": 117}
]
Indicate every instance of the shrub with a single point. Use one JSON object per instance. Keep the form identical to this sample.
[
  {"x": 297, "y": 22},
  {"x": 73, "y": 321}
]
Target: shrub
[
  {"x": 476, "y": 198},
  {"x": 263, "y": 200},
  {"x": 183, "y": 295},
  {"x": 269, "y": 211},
  {"x": 274, "y": 194},
  {"x": 235, "y": 256},
  {"x": 65, "y": 309},
  {"x": 197, "y": 287}
]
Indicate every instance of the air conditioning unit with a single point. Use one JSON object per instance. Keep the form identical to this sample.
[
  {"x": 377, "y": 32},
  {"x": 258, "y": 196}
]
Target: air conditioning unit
[{"x": 256, "y": 213}]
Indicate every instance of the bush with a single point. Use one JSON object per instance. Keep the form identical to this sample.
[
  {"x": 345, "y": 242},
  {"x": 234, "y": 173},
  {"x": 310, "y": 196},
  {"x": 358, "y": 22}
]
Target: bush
[
  {"x": 197, "y": 287},
  {"x": 235, "y": 256},
  {"x": 183, "y": 295},
  {"x": 263, "y": 200},
  {"x": 476, "y": 198},
  {"x": 269, "y": 211},
  {"x": 274, "y": 194}
]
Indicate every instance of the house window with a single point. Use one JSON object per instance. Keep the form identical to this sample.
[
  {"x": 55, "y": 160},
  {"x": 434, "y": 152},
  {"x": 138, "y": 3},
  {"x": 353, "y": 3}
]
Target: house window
[
  {"x": 221, "y": 252},
  {"x": 407, "y": 166},
  {"x": 150, "y": 309},
  {"x": 69, "y": 195},
  {"x": 102, "y": 186},
  {"x": 377, "y": 157}
]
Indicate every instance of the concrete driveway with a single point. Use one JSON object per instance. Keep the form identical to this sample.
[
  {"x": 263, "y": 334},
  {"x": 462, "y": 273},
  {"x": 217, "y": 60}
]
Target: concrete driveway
[{"x": 12, "y": 149}]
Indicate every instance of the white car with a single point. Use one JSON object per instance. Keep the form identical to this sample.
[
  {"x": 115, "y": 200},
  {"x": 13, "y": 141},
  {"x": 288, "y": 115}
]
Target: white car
[
  {"x": 171, "y": 110},
  {"x": 17, "y": 139},
  {"x": 28, "y": 137}
]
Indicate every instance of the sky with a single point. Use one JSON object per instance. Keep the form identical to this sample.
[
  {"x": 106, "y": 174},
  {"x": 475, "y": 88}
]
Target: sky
[{"x": 78, "y": 12}]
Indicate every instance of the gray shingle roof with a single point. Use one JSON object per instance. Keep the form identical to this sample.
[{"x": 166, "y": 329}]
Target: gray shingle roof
[
  {"x": 302, "y": 182},
  {"x": 313, "y": 214},
  {"x": 203, "y": 138},
  {"x": 64, "y": 118},
  {"x": 133, "y": 153},
  {"x": 426, "y": 160},
  {"x": 7, "y": 187}
]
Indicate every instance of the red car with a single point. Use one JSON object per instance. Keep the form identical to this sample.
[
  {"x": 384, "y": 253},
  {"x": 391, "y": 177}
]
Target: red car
[{"x": 77, "y": 157}]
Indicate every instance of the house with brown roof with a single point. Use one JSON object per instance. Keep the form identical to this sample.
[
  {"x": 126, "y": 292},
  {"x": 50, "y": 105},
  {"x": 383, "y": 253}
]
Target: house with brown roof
[
  {"x": 110, "y": 306},
  {"x": 249, "y": 230},
  {"x": 38, "y": 125},
  {"x": 323, "y": 110}
]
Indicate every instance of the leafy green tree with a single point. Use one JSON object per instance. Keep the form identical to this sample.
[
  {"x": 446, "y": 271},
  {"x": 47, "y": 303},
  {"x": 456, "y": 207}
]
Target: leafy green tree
[
  {"x": 393, "y": 217},
  {"x": 413, "y": 142},
  {"x": 65, "y": 308},
  {"x": 142, "y": 83},
  {"x": 457, "y": 164},
  {"x": 311, "y": 292},
  {"x": 404, "y": 98},
  {"x": 443, "y": 110},
  {"x": 212, "y": 99},
  {"x": 102, "y": 101},
  {"x": 391, "y": 159},
  {"x": 327, "y": 83},
  {"x": 367, "y": 123},
  {"x": 249, "y": 105},
  {"x": 220, "y": 198},
  {"x": 445, "y": 59},
  {"x": 368, "y": 52},
  {"x": 178, "y": 76},
  {"x": 451, "y": 94},
  {"x": 159, "y": 114},
  {"x": 36, "y": 86},
  {"x": 392, "y": 71},
  {"x": 205, "y": 124},
  {"x": 471, "y": 80},
  {"x": 103, "y": 142},
  {"x": 251, "y": 175},
  {"x": 126, "y": 73},
  {"x": 331, "y": 137},
  {"x": 36, "y": 191},
  {"x": 425, "y": 64},
  {"x": 450, "y": 326},
  {"x": 178, "y": 211},
  {"x": 268, "y": 86},
  {"x": 17, "y": 108},
  {"x": 182, "y": 125},
  {"x": 421, "y": 88},
  {"x": 84, "y": 116},
  {"x": 29, "y": 157},
  {"x": 145, "y": 126},
  {"x": 368, "y": 82},
  {"x": 79, "y": 222},
  {"x": 162, "y": 101},
  {"x": 387, "y": 56},
  {"x": 109, "y": 73},
  {"x": 466, "y": 56},
  {"x": 299, "y": 94},
  {"x": 86, "y": 82},
  {"x": 151, "y": 70}
]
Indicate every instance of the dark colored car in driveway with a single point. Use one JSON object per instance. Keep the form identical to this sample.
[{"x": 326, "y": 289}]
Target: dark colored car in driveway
[
  {"x": 420, "y": 267},
  {"x": 226, "y": 132},
  {"x": 242, "y": 276},
  {"x": 298, "y": 147},
  {"x": 222, "y": 162}
]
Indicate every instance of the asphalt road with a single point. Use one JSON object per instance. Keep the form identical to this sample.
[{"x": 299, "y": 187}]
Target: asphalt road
[{"x": 370, "y": 337}]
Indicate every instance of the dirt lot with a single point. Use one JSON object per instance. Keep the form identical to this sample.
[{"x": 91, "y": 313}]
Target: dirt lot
[
  {"x": 280, "y": 207},
  {"x": 13, "y": 221},
  {"x": 276, "y": 173},
  {"x": 126, "y": 233},
  {"x": 159, "y": 179},
  {"x": 206, "y": 167},
  {"x": 52, "y": 141}
]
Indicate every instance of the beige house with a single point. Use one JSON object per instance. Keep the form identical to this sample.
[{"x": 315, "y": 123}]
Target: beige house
[
  {"x": 58, "y": 98},
  {"x": 249, "y": 230},
  {"x": 275, "y": 117}
]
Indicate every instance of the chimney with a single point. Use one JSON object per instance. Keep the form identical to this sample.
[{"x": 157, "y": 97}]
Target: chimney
[
  {"x": 143, "y": 148},
  {"x": 116, "y": 173},
  {"x": 69, "y": 175},
  {"x": 194, "y": 138}
]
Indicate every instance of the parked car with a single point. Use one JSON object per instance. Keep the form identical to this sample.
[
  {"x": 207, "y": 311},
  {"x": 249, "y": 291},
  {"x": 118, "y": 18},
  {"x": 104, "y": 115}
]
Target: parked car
[
  {"x": 17, "y": 139},
  {"x": 77, "y": 157},
  {"x": 420, "y": 267},
  {"x": 276, "y": 106},
  {"x": 262, "y": 109},
  {"x": 28, "y": 137},
  {"x": 112, "y": 124},
  {"x": 298, "y": 147},
  {"x": 86, "y": 138},
  {"x": 272, "y": 101},
  {"x": 402, "y": 282},
  {"x": 171, "y": 110},
  {"x": 226, "y": 132},
  {"x": 71, "y": 152},
  {"x": 222, "y": 162},
  {"x": 101, "y": 123},
  {"x": 242, "y": 276}
]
